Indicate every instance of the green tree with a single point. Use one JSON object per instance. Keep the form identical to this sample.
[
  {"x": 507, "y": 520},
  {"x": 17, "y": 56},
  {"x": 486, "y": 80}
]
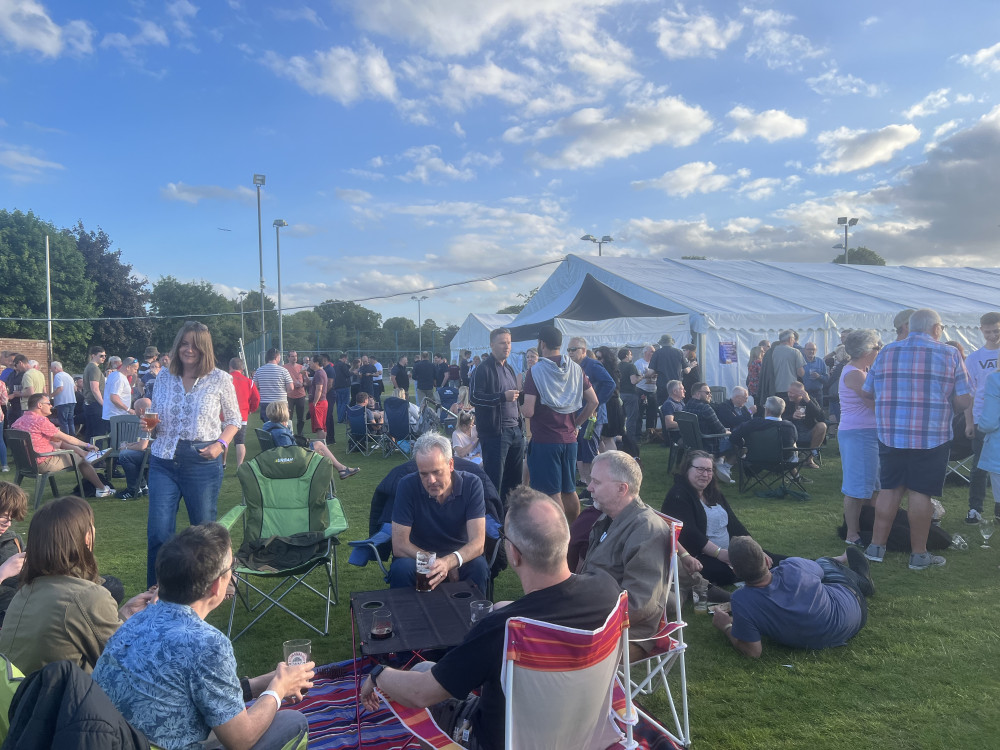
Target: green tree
[
  {"x": 180, "y": 301},
  {"x": 862, "y": 256},
  {"x": 22, "y": 286},
  {"x": 120, "y": 294},
  {"x": 300, "y": 332},
  {"x": 402, "y": 332},
  {"x": 517, "y": 307},
  {"x": 344, "y": 320},
  {"x": 251, "y": 315}
]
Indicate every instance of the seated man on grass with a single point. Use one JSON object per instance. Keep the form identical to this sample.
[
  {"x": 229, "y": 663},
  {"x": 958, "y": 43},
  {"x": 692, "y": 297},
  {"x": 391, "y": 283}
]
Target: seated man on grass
[
  {"x": 130, "y": 458},
  {"x": 536, "y": 540},
  {"x": 439, "y": 510},
  {"x": 279, "y": 427},
  {"x": 173, "y": 676},
  {"x": 801, "y": 603}
]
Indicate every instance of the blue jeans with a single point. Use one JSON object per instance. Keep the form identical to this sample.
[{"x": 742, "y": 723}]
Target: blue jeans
[
  {"x": 131, "y": 462},
  {"x": 343, "y": 401},
  {"x": 3, "y": 448},
  {"x": 188, "y": 475},
  {"x": 65, "y": 414},
  {"x": 403, "y": 573},
  {"x": 503, "y": 458}
]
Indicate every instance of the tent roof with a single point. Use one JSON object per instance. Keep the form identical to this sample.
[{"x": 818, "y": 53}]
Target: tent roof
[{"x": 763, "y": 288}]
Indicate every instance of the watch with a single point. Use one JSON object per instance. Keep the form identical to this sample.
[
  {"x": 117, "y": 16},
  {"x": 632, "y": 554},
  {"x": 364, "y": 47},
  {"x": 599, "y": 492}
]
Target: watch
[{"x": 376, "y": 671}]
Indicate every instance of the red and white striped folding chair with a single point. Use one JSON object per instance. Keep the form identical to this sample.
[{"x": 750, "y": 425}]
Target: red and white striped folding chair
[
  {"x": 560, "y": 688},
  {"x": 668, "y": 651}
]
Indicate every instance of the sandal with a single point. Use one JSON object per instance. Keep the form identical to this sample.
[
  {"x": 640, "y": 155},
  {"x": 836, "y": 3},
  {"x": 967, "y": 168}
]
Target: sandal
[{"x": 345, "y": 473}]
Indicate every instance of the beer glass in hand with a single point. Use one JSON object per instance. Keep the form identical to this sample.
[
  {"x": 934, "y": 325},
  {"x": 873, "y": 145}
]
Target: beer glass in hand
[
  {"x": 149, "y": 421},
  {"x": 425, "y": 561}
]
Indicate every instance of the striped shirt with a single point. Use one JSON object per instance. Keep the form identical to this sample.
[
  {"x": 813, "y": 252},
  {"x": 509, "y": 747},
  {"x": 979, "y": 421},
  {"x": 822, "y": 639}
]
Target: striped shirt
[
  {"x": 913, "y": 382},
  {"x": 272, "y": 381}
]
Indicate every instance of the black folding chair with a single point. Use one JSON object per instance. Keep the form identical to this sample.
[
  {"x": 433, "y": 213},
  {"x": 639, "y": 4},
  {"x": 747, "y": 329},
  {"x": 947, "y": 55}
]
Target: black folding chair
[
  {"x": 769, "y": 465},
  {"x": 26, "y": 464}
]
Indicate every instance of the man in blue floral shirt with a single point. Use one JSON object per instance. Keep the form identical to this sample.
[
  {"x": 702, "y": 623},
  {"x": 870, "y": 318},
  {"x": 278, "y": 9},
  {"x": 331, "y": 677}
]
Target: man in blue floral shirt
[{"x": 173, "y": 676}]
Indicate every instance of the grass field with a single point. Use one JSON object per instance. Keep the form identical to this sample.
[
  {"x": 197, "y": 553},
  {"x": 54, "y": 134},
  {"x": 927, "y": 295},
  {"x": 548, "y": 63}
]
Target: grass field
[{"x": 920, "y": 675}]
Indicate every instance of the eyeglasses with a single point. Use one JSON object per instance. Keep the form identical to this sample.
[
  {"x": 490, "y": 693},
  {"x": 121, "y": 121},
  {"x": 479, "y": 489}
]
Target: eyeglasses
[
  {"x": 704, "y": 469},
  {"x": 572, "y": 349},
  {"x": 231, "y": 568},
  {"x": 6, "y": 520},
  {"x": 506, "y": 538}
]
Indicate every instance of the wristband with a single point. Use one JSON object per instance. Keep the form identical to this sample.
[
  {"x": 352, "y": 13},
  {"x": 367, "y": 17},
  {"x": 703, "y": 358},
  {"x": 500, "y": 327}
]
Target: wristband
[
  {"x": 274, "y": 695},
  {"x": 718, "y": 551},
  {"x": 457, "y": 554},
  {"x": 727, "y": 628},
  {"x": 684, "y": 554},
  {"x": 224, "y": 443}
]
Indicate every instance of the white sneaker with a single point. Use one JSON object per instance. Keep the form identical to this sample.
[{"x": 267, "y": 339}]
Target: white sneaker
[
  {"x": 106, "y": 492},
  {"x": 723, "y": 470},
  {"x": 974, "y": 516}
]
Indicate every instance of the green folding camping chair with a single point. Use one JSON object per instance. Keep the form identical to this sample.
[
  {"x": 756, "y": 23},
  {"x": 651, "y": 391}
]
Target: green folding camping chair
[{"x": 291, "y": 523}]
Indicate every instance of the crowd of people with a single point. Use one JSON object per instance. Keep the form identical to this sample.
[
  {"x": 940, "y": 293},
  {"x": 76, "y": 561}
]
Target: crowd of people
[{"x": 525, "y": 448}]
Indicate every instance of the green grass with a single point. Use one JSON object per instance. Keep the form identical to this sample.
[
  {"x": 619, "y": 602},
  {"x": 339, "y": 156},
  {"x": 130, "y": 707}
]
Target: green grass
[{"x": 920, "y": 675}]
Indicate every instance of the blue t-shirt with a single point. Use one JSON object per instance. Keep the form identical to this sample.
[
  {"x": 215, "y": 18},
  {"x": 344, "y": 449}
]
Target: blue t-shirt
[
  {"x": 439, "y": 527},
  {"x": 280, "y": 434},
  {"x": 171, "y": 675},
  {"x": 797, "y": 609}
]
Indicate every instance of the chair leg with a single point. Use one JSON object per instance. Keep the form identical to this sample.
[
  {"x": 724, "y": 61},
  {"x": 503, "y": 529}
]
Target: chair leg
[
  {"x": 52, "y": 484},
  {"x": 39, "y": 489}
]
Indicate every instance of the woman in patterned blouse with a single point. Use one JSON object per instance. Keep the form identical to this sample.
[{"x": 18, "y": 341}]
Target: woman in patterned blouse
[{"x": 186, "y": 456}]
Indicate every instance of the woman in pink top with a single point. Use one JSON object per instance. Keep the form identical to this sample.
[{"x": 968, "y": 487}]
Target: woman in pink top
[{"x": 856, "y": 434}]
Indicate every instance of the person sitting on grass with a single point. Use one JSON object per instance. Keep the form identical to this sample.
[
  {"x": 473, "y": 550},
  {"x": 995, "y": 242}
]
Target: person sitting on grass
[
  {"x": 465, "y": 440},
  {"x": 63, "y": 609},
  {"x": 173, "y": 676},
  {"x": 801, "y": 603},
  {"x": 278, "y": 426}
]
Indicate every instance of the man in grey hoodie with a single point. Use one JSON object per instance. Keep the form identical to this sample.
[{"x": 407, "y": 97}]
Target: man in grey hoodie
[{"x": 553, "y": 391}]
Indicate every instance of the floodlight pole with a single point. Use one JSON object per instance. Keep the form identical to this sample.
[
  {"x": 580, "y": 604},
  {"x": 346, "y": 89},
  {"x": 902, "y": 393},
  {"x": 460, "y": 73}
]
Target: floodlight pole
[
  {"x": 278, "y": 224},
  {"x": 420, "y": 328},
  {"x": 258, "y": 180},
  {"x": 847, "y": 223}
]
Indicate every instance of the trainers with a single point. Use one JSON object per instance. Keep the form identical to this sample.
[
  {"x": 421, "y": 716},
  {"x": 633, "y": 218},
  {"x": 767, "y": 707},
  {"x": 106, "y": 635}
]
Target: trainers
[
  {"x": 5, "y": 468},
  {"x": 875, "y": 552},
  {"x": 857, "y": 562},
  {"x": 722, "y": 470},
  {"x": 856, "y": 543},
  {"x": 974, "y": 516},
  {"x": 925, "y": 560},
  {"x": 106, "y": 492},
  {"x": 126, "y": 495}
]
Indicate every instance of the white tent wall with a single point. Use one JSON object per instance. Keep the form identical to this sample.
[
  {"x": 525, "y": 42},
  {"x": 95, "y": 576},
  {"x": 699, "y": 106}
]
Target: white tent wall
[
  {"x": 746, "y": 301},
  {"x": 474, "y": 333}
]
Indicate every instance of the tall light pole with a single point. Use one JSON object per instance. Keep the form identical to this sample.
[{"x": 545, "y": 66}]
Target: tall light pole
[
  {"x": 847, "y": 223},
  {"x": 278, "y": 224},
  {"x": 258, "y": 180},
  {"x": 598, "y": 242},
  {"x": 243, "y": 330},
  {"x": 420, "y": 328}
]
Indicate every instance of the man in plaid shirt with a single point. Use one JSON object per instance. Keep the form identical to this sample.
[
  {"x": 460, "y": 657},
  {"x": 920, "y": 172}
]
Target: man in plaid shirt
[{"x": 917, "y": 384}]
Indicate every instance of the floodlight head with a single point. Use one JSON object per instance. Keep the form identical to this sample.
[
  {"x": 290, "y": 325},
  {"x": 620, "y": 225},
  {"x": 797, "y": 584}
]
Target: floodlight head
[
  {"x": 852, "y": 222},
  {"x": 607, "y": 238},
  {"x": 258, "y": 179},
  {"x": 280, "y": 223},
  {"x": 589, "y": 238},
  {"x": 842, "y": 220}
]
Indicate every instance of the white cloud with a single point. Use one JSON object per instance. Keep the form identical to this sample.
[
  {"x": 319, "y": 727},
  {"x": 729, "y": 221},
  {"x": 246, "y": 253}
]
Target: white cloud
[
  {"x": 180, "y": 13},
  {"x": 595, "y": 137},
  {"x": 428, "y": 165},
  {"x": 178, "y": 191},
  {"x": 943, "y": 129},
  {"x": 932, "y": 103},
  {"x": 353, "y": 196},
  {"x": 23, "y": 166},
  {"x": 681, "y": 34},
  {"x": 148, "y": 34},
  {"x": 26, "y": 25},
  {"x": 339, "y": 73},
  {"x": 985, "y": 61},
  {"x": 774, "y": 45},
  {"x": 846, "y": 150},
  {"x": 869, "y": 22},
  {"x": 772, "y": 125},
  {"x": 457, "y": 129},
  {"x": 465, "y": 86},
  {"x": 760, "y": 188},
  {"x": 366, "y": 174},
  {"x": 695, "y": 177},
  {"x": 742, "y": 224},
  {"x": 834, "y": 83},
  {"x": 302, "y": 230},
  {"x": 303, "y": 13}
]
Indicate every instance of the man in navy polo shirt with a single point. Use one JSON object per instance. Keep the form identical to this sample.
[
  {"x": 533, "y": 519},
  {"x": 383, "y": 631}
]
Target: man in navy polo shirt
[{"x": 439, "y": 510}]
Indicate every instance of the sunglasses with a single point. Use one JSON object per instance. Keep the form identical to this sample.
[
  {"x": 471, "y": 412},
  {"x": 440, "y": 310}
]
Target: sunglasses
[
  {"x": 574, "y": 349},
  {"x": 505, "y": 538}
]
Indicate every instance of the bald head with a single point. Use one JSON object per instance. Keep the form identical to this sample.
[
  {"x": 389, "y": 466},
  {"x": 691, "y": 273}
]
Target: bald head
[{"x": 536, "y": 525}]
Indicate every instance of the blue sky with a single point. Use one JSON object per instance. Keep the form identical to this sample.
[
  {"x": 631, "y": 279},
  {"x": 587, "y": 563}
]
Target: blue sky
[{"x": 414, "y": 143}]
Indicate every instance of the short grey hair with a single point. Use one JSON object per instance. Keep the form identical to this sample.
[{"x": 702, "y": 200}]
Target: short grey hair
[
  {"x": 543, "y": 546},
  {"x": 33, "y": 363},
  {"x": 774, "y": 406},
  {"x": 431, "y": 440},
  {"x": 114, "y": 358},
  {"x": 672, "y": 384},
  {"x": 56, "y": 365},
  {"x": 924, "y": 320},
  {"x": 786, "y": 335},
  {"x": 622, "y": 468},
  {"x": 860, "y": 341},
  {"x": 580, "y": 341},
  {"x": 739, "y": 389}
]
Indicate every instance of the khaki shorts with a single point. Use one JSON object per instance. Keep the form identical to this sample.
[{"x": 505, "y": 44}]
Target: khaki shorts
[{"x": 58, "y": 463}]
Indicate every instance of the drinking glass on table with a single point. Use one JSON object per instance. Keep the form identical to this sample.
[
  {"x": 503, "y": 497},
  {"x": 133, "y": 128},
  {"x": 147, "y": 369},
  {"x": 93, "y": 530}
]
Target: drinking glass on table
[
  {"x": 425, "y": 561},
  {"x": 149, "y": 421},
  {"x": 479, "y": 609},
  {"x": 381, "y": 625}
]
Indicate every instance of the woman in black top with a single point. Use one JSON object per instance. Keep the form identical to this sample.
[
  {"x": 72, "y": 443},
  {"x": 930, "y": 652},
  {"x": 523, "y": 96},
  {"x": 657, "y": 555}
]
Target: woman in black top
[
  {"x": 709, "y": 521},
  {"x": 615, "y": 427}
]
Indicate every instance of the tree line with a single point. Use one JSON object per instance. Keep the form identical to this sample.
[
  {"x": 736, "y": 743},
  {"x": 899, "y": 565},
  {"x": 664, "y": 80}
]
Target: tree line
[{"x": 90, "y": 281}]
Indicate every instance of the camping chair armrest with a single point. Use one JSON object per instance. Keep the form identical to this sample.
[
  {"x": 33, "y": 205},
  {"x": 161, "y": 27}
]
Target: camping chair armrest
[
  {"x": 382, "y": 537},
  {"x": 60, "y": 452},
  {"x": 338, "y": 521},
  {"x": 101, "y": 438},
  {"x": 715, "y": 435},
  {"x": 232, "y": 516}
]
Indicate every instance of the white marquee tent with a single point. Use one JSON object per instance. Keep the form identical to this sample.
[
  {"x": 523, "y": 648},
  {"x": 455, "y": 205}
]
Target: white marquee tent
[
  {"x": 474, "y": 334},
  {"x": 726, "y": 307}
]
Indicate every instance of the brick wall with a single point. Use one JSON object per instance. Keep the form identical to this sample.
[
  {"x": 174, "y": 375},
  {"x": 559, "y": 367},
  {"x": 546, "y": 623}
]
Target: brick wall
[{"x": 36, "y": 349}]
